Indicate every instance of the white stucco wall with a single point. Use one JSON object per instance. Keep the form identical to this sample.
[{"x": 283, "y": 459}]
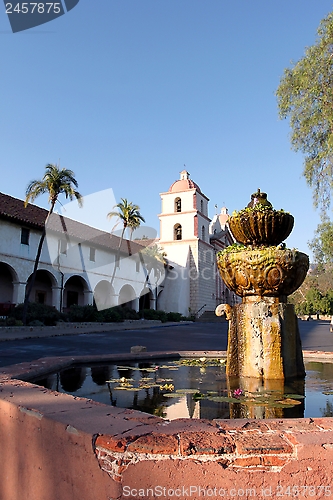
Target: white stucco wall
[
  {"x": 176, "y": 293},
  {"x": 61, "y": 267}
]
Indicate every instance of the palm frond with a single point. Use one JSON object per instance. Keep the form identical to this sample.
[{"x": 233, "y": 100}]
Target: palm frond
[{"x": 55, "y": 181}]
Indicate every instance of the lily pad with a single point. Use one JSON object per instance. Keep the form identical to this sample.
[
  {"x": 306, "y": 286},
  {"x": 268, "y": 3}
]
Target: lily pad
[
  {"x": 297, "y": 396},
  {"x": 288, "y": 402},
  {"x": 172, "y": 395},
  {"x": 120, "y": 388},
  {"x": 225, "y": 399},
  {"x": 187, "y": 391}
]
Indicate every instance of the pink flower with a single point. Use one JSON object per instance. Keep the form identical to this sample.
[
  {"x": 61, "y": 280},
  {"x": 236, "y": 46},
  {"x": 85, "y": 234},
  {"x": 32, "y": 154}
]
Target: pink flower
[{"x": 237, "y": 393}]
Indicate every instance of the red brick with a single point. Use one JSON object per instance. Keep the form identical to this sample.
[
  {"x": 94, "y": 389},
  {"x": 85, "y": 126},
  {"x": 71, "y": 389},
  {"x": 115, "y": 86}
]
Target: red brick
[
  {"x": 248, "y": 443},
  {"x": 274, "y": 461},
  {"x": 230, "y": 425},
  {"x": 194, "y": 443},
  {"x": 297, "y": 425},
  {"x": 257, "y": 461},
  {"x": 155, "y": 443},
  {"x": 112, "y": 443},
  {"x": 121, "y": 469},
  {"x": 247, "y": 462}
]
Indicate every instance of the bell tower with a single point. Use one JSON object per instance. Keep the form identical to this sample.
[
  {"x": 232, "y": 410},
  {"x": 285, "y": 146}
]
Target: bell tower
[
  {"x": 184, "y": 236},
  {"x": 184, "y": 215}
]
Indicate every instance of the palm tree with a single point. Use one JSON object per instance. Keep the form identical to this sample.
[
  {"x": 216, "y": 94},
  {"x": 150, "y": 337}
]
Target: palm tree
[
  {"x": 153, "y": 257},
  {"x": 55, "y": 181},
  {"x": 129, "y": 215}
]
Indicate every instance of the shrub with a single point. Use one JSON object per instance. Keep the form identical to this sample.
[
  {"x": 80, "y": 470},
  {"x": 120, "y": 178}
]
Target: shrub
[
  {"x": 151, "y": 314},
  {"x": 10, "y": 321},
  {"x": 110, "y": 315},
  {"x": 48, "y": 315},
  {"x": 128, "y": 313},
  {"x": 174, "y": 316},
  {"x": 77, "y": 314}
]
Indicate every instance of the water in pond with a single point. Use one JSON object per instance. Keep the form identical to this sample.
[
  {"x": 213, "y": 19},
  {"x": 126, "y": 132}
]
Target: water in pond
[{"x": 190, "y": 388}]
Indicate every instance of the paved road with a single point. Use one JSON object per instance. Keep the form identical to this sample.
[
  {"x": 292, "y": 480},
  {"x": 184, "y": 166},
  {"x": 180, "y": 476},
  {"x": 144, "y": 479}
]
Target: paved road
[{"x": 197, "y": 336}]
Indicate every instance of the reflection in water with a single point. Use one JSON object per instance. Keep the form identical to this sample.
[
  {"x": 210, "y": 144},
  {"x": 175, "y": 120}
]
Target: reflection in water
[
  {"x": 267, "y": 398},
  {"x": 328, "y": 410},
  {"x": 180, "y": 389},
  {"x": 100, "y": 374},
  {"x": 72, "y": 379}
]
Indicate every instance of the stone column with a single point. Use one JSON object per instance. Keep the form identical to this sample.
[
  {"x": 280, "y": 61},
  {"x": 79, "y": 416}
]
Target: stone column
[
  {"x": 56, "y": 296},
  {"x": 18, "y": 292},
  {"x": 135, "y": 304},
  {"x": 88, "y": 298}
]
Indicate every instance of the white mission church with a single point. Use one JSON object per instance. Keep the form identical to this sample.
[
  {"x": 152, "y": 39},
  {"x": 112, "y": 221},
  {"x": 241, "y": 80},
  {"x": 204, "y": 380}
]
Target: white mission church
[{"x": 77, "y": 260}]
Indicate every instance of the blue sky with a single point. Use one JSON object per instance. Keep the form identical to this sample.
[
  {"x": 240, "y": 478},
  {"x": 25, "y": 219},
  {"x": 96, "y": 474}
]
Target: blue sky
[{"x": 125, "y": 92}]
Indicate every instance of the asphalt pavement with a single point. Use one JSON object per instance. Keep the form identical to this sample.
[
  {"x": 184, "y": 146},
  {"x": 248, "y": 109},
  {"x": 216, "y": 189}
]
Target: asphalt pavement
[{"x": 315, "y": 335}]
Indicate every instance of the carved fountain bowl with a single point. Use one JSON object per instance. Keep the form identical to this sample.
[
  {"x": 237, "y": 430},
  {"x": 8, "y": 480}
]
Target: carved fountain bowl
[
  {"x": 268, "y": 227},
  {"x": 270, "y": 272}
]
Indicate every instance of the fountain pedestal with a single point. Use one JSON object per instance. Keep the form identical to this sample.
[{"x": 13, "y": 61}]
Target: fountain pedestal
[{"x": 263, "y": 340}]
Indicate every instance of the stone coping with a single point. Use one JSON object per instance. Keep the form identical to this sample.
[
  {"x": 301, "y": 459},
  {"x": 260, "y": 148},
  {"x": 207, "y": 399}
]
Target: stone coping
[{"x": 42, "y": 366}]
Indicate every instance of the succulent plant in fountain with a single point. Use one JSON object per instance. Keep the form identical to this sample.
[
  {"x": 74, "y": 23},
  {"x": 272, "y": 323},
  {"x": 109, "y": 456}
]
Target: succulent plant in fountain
[{"x": 259, "y": 224}]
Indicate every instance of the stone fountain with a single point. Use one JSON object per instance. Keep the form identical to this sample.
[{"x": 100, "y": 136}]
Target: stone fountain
[{"x": 263, "y": 340}]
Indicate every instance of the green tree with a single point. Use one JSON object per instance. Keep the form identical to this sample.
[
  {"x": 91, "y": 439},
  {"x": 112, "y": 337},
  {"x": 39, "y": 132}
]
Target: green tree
[
  {"x": 55, "y": 181},
  {"x": 129, "y": 215},
  {"x": 305, "y": 95},
  {"x": 322, "y": 244},
  {"x": 315, "y": 294}
]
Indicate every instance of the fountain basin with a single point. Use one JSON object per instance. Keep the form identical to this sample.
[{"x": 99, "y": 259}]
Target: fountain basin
[
  {"x": 261, "y": 226},
  {"x": 196, "y": 388},
  {"x": 270, "y": 271},
  {"x": 57, "y": 446}
]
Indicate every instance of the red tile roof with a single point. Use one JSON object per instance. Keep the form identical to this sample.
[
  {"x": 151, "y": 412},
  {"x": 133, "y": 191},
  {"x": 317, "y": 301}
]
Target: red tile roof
[{"x": 13, "y": 209}]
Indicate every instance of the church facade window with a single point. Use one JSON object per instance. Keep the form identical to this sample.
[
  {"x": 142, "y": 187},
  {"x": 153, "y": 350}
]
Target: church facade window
[
  {"x": 178, "y": 205},
  {"x": 177, "y": 230},
  {"x": 203, "y": 233},
  {"x": 201, "y": 206}
]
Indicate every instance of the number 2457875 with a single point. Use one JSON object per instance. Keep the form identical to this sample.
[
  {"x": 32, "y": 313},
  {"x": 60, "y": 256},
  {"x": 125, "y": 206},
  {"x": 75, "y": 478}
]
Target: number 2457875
[{"x": 33, "y": 8}]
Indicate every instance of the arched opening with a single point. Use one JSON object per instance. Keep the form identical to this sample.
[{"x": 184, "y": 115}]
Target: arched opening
[
  {"x": 203, "y": 233},
  {"x": 178, "y": 205},
  {"x": 127, "y": 297},
  {"x": 104, "y": 295},
  {"x": 178, "y": 234},
  {"x": 74, "y": 291},
  {"x": 7, "y": 276},
  {"x": 42, "y": 290},
  {"x": 201, "y": 206}
]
